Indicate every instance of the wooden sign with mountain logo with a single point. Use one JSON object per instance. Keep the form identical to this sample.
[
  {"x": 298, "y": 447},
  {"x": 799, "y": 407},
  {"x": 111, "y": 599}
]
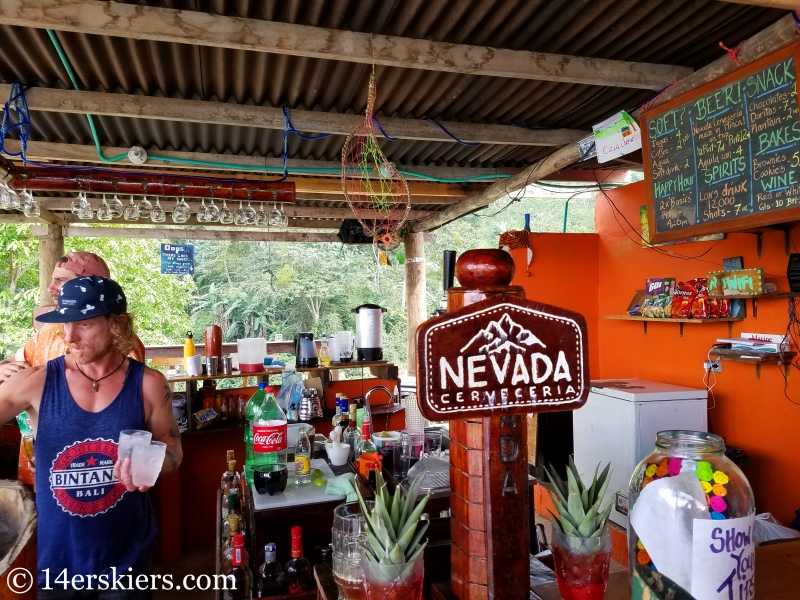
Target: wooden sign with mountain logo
[{"x": 502, "y": 356}]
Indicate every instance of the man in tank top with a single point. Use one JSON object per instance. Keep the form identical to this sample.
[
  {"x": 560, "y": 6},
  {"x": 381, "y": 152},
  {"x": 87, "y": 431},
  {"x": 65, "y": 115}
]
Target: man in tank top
[{"x": 93, "y": 522}]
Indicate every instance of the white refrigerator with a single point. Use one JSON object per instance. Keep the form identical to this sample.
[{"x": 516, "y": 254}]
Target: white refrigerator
[{"x": 619, "y": 422}]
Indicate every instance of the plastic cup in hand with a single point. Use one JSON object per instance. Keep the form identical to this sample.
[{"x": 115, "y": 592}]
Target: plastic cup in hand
[
  {"x": 146, "y": 463},
  {"x": 128, "y": 438}
]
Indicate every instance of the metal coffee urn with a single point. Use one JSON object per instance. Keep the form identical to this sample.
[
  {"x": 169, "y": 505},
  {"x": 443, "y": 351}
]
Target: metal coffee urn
[{"x": 369, "y": 331}]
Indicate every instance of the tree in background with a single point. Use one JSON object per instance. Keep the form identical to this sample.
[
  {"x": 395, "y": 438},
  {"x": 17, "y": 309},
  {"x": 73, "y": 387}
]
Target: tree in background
[{"x": 19, "y": 285}]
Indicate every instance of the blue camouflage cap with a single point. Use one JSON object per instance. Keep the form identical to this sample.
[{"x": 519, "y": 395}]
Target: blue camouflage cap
[{"x": 85, "y": 298}]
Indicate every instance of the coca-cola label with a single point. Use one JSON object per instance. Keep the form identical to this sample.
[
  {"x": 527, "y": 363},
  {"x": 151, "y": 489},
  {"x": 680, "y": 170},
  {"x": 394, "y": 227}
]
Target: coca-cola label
[{"x": 270, "y": 438}]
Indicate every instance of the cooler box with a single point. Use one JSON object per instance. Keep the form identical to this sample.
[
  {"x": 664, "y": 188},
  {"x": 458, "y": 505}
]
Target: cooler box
[{"x": 619, "y": 422}]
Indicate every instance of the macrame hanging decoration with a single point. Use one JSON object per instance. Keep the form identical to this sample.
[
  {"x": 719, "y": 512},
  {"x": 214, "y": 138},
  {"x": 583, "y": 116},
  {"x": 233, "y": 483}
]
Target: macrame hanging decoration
[{"x": 375, "y": 190}]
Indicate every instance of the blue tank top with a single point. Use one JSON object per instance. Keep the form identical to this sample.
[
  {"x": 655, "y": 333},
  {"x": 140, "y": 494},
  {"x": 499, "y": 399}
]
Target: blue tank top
[{"x": 88, "y": 522}]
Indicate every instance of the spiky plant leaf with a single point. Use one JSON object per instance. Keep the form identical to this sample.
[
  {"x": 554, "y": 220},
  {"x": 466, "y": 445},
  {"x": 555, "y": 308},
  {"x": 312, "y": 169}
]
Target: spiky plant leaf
[
  {"x": 585, "y": 499},
  {"x": 396, "y": 508},
  {"x": 411, "y": 548},
  {"x": 572, "y": 468},
  {"x": 602, "y": 479},
  {"x": 593, "y": 487},
  {"x": 563, "y": 512},
  {"x": 561, "y": 490},
  {"x": 556, "y": 521},
  {"x": 575, "y": 507}
]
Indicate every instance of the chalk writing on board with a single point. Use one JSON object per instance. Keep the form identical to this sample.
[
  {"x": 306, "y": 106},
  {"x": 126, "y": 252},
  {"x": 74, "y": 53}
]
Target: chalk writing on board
[
  {"x": 730, "y": 153},
  {"x": 177, "y": 259}
]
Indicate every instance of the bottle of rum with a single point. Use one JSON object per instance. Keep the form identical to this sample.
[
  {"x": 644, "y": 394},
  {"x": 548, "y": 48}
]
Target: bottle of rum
[
  {"x": 271, "y": 580},
  {"x": 240, "y": 579},
  {"x": 230, "y": 478},
  {"x": 298, "y": 573}
]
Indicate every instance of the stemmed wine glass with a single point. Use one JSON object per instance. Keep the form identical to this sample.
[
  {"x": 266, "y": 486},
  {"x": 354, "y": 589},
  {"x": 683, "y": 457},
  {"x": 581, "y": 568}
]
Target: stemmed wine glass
[
  {"x": 250, "y": 213},
  {"x": 202, "y": 212},
  {"x": 182, "y": 211},
  {"x": 157, "y": 215},
  {"x": 145, "y": 207},
  {"x": 213, "y": 209},
  {"x": 85, "y": 211},
  {"x": 104, "y": 210},
  {"x": 241, "y": 217},
  {"x": 5, "y": 196},
  {"x": 31, "y": 207},
  {"x": 226, "y": 214},
  {"x": 115, "y": 206},
  {"x": 275, "y": 218},
  {"x": 131, "y": 212},
  {"x": 261, "y": 217},
  {"x": 14, "y": 200}
]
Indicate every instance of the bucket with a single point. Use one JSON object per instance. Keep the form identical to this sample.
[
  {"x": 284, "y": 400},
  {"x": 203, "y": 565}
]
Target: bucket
[{"x": 252, "y": 352}]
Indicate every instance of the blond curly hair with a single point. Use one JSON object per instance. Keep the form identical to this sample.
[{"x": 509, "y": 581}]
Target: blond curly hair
[{"x": 123, "y": 335}]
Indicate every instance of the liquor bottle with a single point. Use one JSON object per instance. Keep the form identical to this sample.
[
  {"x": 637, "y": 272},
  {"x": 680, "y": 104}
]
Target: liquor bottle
[
  {"x": 241, "y": 407},
  {"x": 366, "y": 445},
  {"x": 268, "y": 438},
  {"x": 239, "y": 574},
  {"x": 188, "y": 347},
  {"x": 298, "y": 569},
  {"x": 230, "y": 478},
  {"x": 345, "y": 414},
  {"x": 271, "y": 580},
  {"x": 231, "y": 402},
  {"x": 218, "y": 405},
  {"x": 226, "y": 551},
  {"x": 351, "y": 436},
  {"x": 324, "y": 354},
  {"x": 231, "y": 506},
  {"x": 337, "y": 417},
  {"x": 302, "y": 458}
]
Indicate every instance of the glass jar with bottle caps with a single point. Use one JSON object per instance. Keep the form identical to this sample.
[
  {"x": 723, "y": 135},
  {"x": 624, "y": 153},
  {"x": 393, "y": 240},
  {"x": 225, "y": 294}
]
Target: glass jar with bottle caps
[{"x": 691, "y": 515}]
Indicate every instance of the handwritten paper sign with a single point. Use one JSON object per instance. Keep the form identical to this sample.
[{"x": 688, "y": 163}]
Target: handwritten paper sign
[
  {"x": 723, "y": 559},
  {"x": 617, "y": 136},
  {"x": 177, "y": 259},
  {"x": 737, "y": 282},
  {"x": 511, "y": 356}
]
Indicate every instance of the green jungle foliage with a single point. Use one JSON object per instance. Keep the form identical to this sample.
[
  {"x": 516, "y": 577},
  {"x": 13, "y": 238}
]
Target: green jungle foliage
[{"x": 268, "y": 289}]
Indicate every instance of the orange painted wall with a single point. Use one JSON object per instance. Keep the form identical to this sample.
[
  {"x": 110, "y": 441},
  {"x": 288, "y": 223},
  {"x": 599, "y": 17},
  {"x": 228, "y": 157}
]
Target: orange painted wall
[
  {"x": 750, "y": 413},
  {"x": 564, "y": 273}
]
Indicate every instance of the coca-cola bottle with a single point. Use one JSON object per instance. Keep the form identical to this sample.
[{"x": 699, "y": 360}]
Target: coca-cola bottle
[{"x": 267, "y": 427}]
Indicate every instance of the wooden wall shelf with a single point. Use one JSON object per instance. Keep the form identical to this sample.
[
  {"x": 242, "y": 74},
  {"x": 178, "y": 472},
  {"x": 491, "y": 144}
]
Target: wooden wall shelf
[
  {"x": 645, "y": 320},
  {"x": 753, "y": 358}
]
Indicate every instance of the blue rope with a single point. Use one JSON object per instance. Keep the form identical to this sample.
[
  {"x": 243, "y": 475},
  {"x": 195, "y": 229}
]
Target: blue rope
[
  {"x": 289, "y": 128},
  {"x": 391, "y": 139},
  {"x": 18, "y": 103},
  {"x": 463, "y": 143}
]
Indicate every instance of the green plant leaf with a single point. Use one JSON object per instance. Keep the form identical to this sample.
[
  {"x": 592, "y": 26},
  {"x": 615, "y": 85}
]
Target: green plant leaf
[
  {"x": 603, "y": 518},
  {"x": 412, "y": 520},
  {"x": 603, "y": 476},
  {"x": 563, "y": 512},
  {"x": 411, "y": 548},
  {"x": 396, "y": 555},
  {"x": 575, "y": 476},
  {"x": 593, "y": 487},
  {"x": 557, "y": 482},
  {"x": 585, "y": 499},
  {"x": 380, "y": 509},
  {"x": 556, "y": 521},
  {"x": 396, "y": 508},
  {"x": 411, "y": 497},
  {"x": 575, "y": 507}
]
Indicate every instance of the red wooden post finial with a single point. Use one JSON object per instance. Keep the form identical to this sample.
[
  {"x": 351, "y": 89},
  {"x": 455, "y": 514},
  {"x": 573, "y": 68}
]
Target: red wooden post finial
[{"x": 476, "y": 269}]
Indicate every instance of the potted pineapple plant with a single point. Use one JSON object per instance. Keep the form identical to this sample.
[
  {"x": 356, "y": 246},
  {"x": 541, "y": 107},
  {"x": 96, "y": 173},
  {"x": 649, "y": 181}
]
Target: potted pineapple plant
[
  {"x": 392, "y": 565},
  {"x": 581, "y": 540}
]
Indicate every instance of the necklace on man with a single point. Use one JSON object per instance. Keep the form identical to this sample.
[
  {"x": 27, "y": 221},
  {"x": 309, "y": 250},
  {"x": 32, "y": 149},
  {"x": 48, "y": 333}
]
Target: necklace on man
[{"x": 96, "y": 382}]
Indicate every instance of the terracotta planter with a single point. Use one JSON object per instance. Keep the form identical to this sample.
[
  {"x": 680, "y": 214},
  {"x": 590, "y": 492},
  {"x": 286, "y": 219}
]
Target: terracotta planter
[{"x": 581, "y": 565}]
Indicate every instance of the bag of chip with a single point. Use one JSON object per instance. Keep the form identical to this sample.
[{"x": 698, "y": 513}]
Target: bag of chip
[
  {"x": 658, "y": 306},
  {"x": 648, "y": 305},
  {"x": 667, "y": 307},
  {"x": 700, "y": 308},
  {"x": 682, "y": 300}
]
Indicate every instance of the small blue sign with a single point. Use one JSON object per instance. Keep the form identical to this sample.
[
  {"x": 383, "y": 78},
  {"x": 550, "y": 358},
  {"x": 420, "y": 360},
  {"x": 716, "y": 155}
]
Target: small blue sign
[{"x": 177, "y": 259}]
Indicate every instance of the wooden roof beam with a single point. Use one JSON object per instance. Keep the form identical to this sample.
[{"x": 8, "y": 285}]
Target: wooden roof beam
[
  {"x": 267, "y": 117},
  {"x": 47, "y": 151},
  {"x": 774, "y": 37},
  {"x": 189, "y": 27}
]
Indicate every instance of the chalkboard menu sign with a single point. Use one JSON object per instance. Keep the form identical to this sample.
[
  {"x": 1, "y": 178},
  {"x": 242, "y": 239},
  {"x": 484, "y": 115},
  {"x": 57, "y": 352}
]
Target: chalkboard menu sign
[{"x": 726, "y": 156}]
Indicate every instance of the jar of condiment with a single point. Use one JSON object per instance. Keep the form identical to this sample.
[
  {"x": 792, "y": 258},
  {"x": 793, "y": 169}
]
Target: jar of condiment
[{"x": 691, "y": 515}]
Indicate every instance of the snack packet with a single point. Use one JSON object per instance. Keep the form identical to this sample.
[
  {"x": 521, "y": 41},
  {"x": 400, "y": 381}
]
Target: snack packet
[
  {"x": 682, "y": 300},
  {"x": 700, "y": 304},
  {"x": 204, "y": 418}
]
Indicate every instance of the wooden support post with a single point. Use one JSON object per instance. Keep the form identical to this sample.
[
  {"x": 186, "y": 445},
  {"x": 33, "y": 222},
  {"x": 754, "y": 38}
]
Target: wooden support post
[
  {"x": 416, "y": 294},
  {"x": 51, "y": 248}
]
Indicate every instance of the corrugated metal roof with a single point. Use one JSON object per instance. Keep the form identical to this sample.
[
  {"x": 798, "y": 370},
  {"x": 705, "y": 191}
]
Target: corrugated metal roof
[{"x": 681, "y": 32}]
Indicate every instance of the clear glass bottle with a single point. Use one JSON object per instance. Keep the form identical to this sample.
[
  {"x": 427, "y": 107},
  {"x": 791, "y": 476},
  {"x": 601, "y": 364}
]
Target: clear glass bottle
[
  {"x": 302, "y": 458},
  {"x": 324, "y": 354},
  {"x": 239, "y": 573},
  {"x": 337, "y": 417},
  {"x": 351, "y": 436},
  {"x": 366, "y": 445},
  {"x": 299, "y": 576},
  {"x": 271, "y": 579},
  {"x": 230, "y": 478},
  {"x": 708, "y": 489}
]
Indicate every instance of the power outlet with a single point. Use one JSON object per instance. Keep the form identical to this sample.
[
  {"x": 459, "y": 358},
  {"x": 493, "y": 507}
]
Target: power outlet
[{"x": 715, "y": 366}]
